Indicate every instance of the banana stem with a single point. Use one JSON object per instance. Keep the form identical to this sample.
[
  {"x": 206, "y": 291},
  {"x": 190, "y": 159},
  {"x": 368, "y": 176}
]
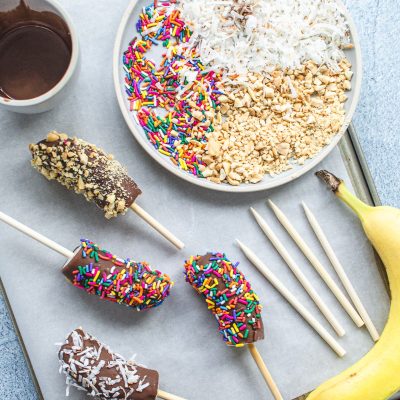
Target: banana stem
[
  {"x": 341, "y": 191},
  {"x": 358, "y": 206}
]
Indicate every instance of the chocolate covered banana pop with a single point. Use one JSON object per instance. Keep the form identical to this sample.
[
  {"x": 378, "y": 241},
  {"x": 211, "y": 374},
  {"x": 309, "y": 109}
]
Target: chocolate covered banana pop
[
  {"x": 94, "y": 367},
  {"x": 90, "y": 171},
  {"x": 234, "y": 303},
  {"x": 229, "y": 296},
  {"x": 86, "y": 169},
  {"x": 99, "y": 272}
]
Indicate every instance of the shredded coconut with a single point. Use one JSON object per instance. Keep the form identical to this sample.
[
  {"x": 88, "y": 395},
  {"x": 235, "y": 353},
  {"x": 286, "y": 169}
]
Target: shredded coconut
[{"x": 239, "y": 36}]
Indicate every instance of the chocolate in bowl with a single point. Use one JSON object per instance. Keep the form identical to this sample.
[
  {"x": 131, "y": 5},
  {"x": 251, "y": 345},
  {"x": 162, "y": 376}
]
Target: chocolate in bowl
[{"x": 35, "y": 51}]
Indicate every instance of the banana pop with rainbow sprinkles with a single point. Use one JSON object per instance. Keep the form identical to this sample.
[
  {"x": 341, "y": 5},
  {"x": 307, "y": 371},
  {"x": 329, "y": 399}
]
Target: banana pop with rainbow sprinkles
[
  {"x": 235, "y": 305},
  {"x": 103, "y": 274}
]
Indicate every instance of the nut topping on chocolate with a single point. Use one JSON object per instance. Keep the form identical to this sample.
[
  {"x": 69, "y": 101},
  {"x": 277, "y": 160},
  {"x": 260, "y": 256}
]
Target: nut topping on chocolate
[{"x": 86, "y": 169}]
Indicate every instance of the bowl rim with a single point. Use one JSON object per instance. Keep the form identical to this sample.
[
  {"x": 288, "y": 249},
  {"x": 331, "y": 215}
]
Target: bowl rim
[
  {"x": 68, "y": 73},
  {"x": 242, "y": 188}
]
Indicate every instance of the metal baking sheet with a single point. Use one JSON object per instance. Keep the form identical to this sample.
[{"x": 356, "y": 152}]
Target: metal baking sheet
[
  {"x": 179, "y": 338},
  {"x": 365, "y": 189}
]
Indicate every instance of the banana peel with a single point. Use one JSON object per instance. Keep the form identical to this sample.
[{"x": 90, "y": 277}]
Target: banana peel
[{"x": 377, "y": 375}]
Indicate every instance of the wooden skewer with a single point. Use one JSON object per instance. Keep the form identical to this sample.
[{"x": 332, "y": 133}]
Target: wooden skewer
[
  {"x": 298, "y": 273},
  {"x": 167, "y": 396},
  {"x": 35, "y": 235},
  {"x": 292, "y": 300},
  {"x": 319, "y": 233},
  {"x": 157, "y": 226},
  {"x": 264, "y": 371},
  {"x": 317, "y": 265}
]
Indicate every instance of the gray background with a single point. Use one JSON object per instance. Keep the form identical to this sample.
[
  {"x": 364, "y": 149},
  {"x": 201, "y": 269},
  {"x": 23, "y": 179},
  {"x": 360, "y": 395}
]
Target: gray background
[{"x": 376, "y": 122}]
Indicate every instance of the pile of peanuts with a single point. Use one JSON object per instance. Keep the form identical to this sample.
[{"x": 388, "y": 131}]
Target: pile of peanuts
[{"x": 269, "y": 121}]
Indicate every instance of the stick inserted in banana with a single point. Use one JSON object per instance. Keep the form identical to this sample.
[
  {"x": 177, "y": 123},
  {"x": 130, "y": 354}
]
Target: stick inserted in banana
[{"x": 376, "y": 376}]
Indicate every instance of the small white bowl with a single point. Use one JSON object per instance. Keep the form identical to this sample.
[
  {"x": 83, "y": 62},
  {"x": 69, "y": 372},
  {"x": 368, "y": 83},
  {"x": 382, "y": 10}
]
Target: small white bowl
[
  {"x": 126, "y": 32},
  {"x": 54, "y": 96}
]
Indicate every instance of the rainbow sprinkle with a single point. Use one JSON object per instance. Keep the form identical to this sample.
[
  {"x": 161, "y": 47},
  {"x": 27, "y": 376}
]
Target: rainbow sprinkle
[
  {"x": 99, "y": 272},
  {"x": 175, "y": 101},
  {"x": 228, "y": 295}
]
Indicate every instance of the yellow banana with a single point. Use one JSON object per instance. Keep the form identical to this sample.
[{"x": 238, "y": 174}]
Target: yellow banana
[{"x": 377, "y": 375}]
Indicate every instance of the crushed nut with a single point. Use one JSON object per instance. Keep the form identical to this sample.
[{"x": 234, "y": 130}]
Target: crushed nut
[{"x": 273, "y": 120}]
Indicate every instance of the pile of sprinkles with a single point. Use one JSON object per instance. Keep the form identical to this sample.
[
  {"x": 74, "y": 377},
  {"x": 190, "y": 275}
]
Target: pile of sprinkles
[
  {"x": 127, "y": 282},
  {"x": 228, "y": 295},
  {"x": 180, "y": 86}
]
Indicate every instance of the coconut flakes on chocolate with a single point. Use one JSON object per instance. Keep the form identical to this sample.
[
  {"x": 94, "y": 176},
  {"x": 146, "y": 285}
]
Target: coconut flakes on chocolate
[{"x": 92, "y": 366}]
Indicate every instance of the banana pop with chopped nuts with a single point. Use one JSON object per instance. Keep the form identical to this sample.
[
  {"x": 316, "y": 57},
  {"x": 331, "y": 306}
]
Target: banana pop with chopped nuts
[
  {"x": 86, "y": 169},
  {"x": 89, "y": 170}
]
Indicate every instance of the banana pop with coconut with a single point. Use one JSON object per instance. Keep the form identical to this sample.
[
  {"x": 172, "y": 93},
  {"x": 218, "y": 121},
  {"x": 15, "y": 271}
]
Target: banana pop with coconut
[{"x": 377, "y": 375}]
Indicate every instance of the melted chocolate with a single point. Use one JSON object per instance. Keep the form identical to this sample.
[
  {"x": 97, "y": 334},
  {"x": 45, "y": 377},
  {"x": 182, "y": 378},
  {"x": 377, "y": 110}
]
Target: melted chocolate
[{"x": 35, "y": 51}]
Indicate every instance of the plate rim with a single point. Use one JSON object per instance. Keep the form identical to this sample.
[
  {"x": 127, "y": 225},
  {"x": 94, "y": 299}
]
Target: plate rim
[{"x": 221, "y": 187}]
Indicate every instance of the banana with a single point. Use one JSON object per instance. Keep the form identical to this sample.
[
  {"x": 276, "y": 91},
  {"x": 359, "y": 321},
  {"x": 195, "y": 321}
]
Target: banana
[{"x": 377, "y": 375}]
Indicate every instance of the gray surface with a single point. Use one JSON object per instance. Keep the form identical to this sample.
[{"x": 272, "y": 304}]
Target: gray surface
[
  {"x": 377, "y": 118},
  {"x": 15, "y": 380},
  {"x": 375, "y": 121}
]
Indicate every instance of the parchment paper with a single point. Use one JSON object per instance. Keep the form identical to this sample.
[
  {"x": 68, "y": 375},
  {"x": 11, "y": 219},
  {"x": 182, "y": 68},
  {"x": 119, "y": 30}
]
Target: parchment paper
[{"x": 179, "y": 338}]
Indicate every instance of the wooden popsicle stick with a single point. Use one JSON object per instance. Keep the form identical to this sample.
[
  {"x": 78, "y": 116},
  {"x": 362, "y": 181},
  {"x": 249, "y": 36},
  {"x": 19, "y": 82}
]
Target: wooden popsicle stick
[
  {"x": 35, "y": 235},
  {"x": 292, "y": 300},
  {"x": 298, "y": 273},
  {"x": 264, "y": 371},
  {"x": 317, "y": 265},
  {"x": 157, "y": 226},
  {"x": 167, "y": 396},
  {"x": 319, "y": 233}
]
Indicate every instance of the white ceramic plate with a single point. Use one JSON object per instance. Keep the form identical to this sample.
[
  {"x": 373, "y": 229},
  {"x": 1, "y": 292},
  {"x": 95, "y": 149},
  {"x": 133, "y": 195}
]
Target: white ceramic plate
[{"x": 127, "y": 31}]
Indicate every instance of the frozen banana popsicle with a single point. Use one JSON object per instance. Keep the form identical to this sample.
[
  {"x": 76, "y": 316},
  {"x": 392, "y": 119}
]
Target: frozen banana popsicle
[
  {"x": 101, "y": 273},
  {"x": 232, "y": 300},
  {"x": 229, "y": 296},
  {"x": 92, "y": 366},
  {"x": 90, "y": 171}
]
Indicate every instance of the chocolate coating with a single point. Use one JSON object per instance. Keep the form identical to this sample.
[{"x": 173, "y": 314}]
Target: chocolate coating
[
  {"x": 91, "y": 365},
  {"x": 99, "y": 272},
  {"x": 229, "y": 296},
  {"x": 86, "y": 169},
  {"x": 35, "y": 49}
]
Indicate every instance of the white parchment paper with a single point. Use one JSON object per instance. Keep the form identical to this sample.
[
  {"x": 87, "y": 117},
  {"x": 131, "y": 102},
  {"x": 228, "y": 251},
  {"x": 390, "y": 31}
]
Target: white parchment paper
[{"x": 180, "y": 338}]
